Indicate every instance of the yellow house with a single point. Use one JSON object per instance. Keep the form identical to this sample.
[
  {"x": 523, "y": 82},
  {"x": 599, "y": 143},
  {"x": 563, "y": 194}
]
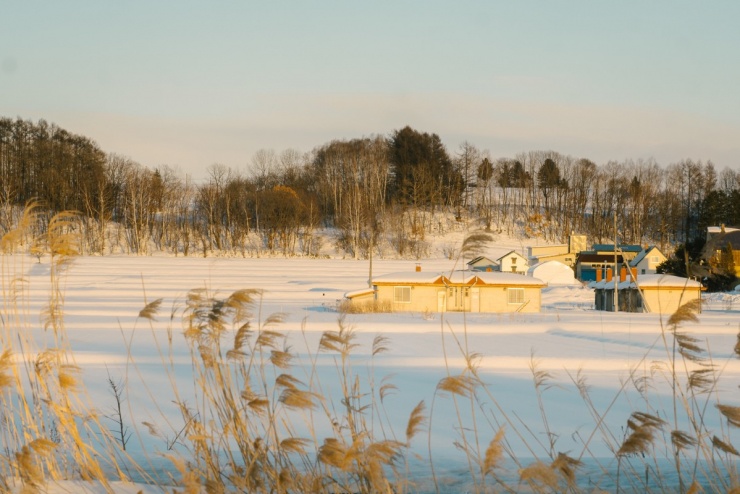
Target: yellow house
[
  {"x": 460, "y": 291},
  {"x": 723, "y": 249}
]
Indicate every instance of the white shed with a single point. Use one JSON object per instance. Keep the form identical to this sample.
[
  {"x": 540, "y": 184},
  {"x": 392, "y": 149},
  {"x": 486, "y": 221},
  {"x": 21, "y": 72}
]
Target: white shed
[{"x": 554, "y": 273}]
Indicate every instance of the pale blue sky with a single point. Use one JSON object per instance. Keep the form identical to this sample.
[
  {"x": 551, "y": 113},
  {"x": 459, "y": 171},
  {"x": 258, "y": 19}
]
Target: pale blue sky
[{"x": 189, "y": 84}]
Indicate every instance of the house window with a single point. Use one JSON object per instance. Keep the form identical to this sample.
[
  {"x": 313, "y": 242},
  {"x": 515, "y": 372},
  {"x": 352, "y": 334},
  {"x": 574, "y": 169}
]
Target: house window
[
  {"x": 513, "y": 260},
  {"x": 402, "y": 294},
  {"x": 516, "y": 295}
]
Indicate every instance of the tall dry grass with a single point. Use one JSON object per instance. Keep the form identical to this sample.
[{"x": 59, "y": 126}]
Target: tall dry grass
[
  {"x": 49, "y": 428},
  {"x": 259, "y": 418}
]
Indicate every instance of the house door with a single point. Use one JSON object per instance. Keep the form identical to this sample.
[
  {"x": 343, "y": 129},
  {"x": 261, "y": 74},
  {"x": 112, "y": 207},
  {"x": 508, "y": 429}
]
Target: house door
[
  {"x": 441, "y": 302},
  {"x": 475, "y": 300},
  {"x": 458, "y": 298}
]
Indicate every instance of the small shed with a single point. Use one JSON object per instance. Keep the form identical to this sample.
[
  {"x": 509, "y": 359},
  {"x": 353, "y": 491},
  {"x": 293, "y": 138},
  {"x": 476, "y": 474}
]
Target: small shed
[
  {"x": 459, "y": 291},
  {"x": 664, "y": 294},
  {"x": 554, "y": 273},
  {"x": 656, "y": 293}
]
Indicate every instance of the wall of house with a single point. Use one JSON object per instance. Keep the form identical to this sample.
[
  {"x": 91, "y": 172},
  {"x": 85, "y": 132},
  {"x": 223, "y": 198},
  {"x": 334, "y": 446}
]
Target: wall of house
[
  {"x": 432, "y": 298},
  {"x": 648, "y": 265},
  {"x": 666, "y": 300},
  {"x": 512, "y": 261},
  {"x": 423, "y": 298},
  {"x": 495, "y": 299}
]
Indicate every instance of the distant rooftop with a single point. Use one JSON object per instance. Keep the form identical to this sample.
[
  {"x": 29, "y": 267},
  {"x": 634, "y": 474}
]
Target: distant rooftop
[{"x": 622, "y": 247}]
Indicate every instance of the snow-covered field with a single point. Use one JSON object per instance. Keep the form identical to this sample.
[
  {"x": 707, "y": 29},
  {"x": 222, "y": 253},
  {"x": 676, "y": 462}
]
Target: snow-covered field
[{"x": 103, "y": 297}]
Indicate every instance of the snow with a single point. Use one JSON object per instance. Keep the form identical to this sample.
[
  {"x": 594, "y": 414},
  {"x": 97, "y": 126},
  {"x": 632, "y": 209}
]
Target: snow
[
  {"x": 553, "y": 273},
  {"x": 666, "y": 280},
  {"x": 104, "y": 295}
]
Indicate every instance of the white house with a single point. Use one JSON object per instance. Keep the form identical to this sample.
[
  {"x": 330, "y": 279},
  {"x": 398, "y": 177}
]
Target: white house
[
  {"x": 512, "y": 262},
  {"x": 648, "y": 260}
]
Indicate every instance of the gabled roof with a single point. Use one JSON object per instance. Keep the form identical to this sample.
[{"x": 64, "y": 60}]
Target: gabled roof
[
  {"x": 642, "y": 255},
  {"x": 511, "y": 252},
  {"x": 719, "y": 242},
  {"x": 479, "y": 259}
]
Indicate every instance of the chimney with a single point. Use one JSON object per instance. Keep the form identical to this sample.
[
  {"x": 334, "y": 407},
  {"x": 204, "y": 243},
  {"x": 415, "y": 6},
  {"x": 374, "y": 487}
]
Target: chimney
[
  {"x": 634, "y": 273},
  {"x": 623, "y": 274},
  {"x": 599, "y": 274},
  {"x": 608, "y": 274},
  {"x": 418, "y": 268}
]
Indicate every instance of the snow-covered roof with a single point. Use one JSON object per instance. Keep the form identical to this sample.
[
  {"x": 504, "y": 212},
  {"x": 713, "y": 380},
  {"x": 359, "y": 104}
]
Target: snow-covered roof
[
  {"x": 718, "y": 229},
  {"x": 498, "y": 278},
  {"x": 409, "y": 277},
  {"x": 359, "y": 293},
  {"x": 601, "y": 285},
  {"x": 647, "y": 281},
  {"x": 666, "y": 280},
  {"x": 509, "y": 253},
  {"x": 553, "y": 273},
  {"x": 459, "y": 277}
]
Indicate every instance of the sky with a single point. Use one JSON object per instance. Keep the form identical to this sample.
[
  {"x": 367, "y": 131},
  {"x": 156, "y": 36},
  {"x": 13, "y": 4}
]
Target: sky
[{"x": 191, "y": 84}]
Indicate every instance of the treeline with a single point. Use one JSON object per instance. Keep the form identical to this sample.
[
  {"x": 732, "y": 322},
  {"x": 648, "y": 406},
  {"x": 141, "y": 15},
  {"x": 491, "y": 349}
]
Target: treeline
[{"x": 379, "y": 192}]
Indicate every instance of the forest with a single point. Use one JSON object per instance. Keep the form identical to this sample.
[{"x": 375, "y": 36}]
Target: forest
[{"x": 385, "y": 193}]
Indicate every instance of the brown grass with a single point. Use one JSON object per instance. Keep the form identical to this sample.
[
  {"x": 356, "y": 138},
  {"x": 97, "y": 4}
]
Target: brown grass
[{"x": 240, "y": 434}]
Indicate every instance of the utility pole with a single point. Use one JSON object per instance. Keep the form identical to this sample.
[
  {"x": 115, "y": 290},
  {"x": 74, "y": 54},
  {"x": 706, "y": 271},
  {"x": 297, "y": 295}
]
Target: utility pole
[
  {"x": 370, "y": 277},
  {"x": 616, "y": 273}
]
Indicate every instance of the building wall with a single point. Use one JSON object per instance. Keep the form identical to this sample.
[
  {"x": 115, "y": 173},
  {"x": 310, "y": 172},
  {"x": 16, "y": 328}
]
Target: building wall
[
  {"x": 666, "y": 300},
  {"x": 424, "y": 298},
  {"x": 650, "y": 262},
  {"x": 547, "y": 250},
  {"x": 577, "y": 243},
  {"x": 437, "y": 298},
  {"x": 567, "y": 259},
  {"x": 511, "y": 261},
  {"x": 496, "y": 299}
]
